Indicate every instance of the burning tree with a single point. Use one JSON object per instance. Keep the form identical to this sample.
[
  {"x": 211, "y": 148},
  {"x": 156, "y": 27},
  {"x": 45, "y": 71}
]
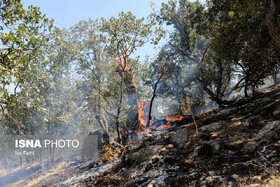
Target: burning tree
[{"x": 124, "y": 35}]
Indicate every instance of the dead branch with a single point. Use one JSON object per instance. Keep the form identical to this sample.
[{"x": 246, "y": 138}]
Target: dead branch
[{"x": 163, "y": 71}]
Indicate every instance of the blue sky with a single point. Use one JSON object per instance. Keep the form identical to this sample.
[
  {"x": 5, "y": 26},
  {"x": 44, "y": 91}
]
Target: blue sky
[{"x": 69, "y": 12}]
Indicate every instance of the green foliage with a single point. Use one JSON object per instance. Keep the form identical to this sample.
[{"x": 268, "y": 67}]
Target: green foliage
[
  {"x": 126, "y": 33},
  {"x": 84, "y": 77},
  {"x": 22, "y": 37},
  {"x": 239, "y": 35},
  {"x": 182, "y": 16}
]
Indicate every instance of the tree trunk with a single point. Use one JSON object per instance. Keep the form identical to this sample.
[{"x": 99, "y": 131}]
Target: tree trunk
[
  {"x": 132, "y": 116},
  {"x": 272, "y": 22},
  {"x": 98, "y": 114},
  {"x": 6, "y": 162},
  {"x": 117, "y": 118},
  {"x": 20, "y": 160},
  {"x": 212, "y": 95},
  {"x": 48, "y": 158},
  {"x": 53, "y": 156},
  {"x": 245, "y": 90},
  {"x": 219, "y": 83}
]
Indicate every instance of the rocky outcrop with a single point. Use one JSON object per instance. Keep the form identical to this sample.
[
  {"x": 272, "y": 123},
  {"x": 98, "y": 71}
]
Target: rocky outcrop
[
  {"x": 179, "y": 138},
  {"x": 269, "y": 132},
  {"x": 250, "y": 147},
  {"x": 143, "y": 154},
  {"x": 234, "y": 146},
  {"x": 211, "y": 127}
]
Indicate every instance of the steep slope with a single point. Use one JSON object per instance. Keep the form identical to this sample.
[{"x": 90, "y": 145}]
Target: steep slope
[{"x": 235, "y": 146}]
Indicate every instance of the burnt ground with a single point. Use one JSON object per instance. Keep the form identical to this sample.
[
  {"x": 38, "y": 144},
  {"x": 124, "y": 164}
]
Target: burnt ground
[{"x": 234, "y": 146}]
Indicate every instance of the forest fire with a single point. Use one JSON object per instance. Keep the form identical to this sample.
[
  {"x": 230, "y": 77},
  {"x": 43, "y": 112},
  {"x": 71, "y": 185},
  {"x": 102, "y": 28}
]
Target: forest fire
[
  {"x": 141, "y": 114},
  {"x": 168, "y": 122},
  {"x": 172, "y": 118},
  {"x": 202, "y": 114},
  {"x": 163, "y": 127}
]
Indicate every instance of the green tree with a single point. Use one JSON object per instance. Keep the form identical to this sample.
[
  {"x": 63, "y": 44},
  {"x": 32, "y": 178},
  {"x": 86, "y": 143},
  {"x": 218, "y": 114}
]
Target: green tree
[
  {"x": 96, "y": 70},
  {"x": 239, "y": 35},
  {"x": 184, "y": 50},
  {"x": 124, "y": 35},
  {"x": 22, "y": 36}
]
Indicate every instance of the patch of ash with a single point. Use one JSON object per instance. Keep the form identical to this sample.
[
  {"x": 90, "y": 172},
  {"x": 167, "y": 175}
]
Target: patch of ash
[
  {"x": 95, "y": 171},
  {"x": 155, "y": 180},
  {"x": 223, "y": 112}
]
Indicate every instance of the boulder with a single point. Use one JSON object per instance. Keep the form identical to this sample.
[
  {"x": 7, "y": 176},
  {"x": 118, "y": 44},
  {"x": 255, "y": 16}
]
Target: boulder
[
  {"x": 250, "y": 147},
  {"x": 211, "y": 127},
  {"x": 93, "y": 143},
  {"x": 179, "y": 138},
  {"x": 143, "y": 154},
  {"x": 207, "y": 149},
  {"x": 269, "y": 132}
]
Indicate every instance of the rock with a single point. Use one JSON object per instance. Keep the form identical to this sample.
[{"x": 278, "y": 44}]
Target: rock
[
  {"x": 250, "y": 147},
  {"x": 211, "y": 127},
  {"x": 216, "y": 147},
  {"x": 179, "y": 138},
  {"x": 269, "y": 132},
  {"x": 162, "y": 183},
  {"x": 169, "y": 146},
  {"x": 162, "y": 150},
  {"x": 204, "y": 182},
  {"x": 235, "y": 176},
  {"x": 93, "y": 144},
  {"x": 276, "y": 112},
  {"x": 206, "y": 149},
  {"x": 209, "y": 179},
  {"x": 144, "y": 154}
]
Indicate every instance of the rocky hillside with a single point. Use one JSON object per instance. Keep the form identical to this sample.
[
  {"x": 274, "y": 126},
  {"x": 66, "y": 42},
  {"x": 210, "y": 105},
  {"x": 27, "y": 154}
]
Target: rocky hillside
[{"x": 236, "y": 146}]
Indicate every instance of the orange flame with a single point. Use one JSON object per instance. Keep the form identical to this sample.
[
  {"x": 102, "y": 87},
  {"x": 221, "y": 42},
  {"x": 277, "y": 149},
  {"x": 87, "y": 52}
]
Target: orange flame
[
  {"x": 141, "y": 114},
  {"x": 142, "y": 118},
  {"x": 139, "y": 133},
  {"x": 164, "y": 127},
  {"x": 201, "y": 113},
  {"x": 170, "y": 118}
]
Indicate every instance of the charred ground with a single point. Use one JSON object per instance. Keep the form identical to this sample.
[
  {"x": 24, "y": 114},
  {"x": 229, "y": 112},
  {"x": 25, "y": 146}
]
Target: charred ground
[{"x": 235, "y": 146}]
